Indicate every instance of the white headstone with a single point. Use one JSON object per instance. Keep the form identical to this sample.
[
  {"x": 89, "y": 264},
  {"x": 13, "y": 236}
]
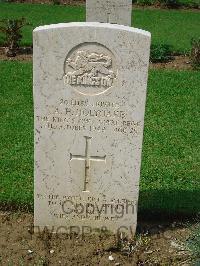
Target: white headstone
[
  {"x": 109, "y": 11},
  {"x": 89, "y": 101}
]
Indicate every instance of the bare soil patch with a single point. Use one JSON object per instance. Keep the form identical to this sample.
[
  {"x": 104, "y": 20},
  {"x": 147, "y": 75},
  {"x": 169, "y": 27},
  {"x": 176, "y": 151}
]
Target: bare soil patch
[
  {"x": 83, "y": 2},
  {"x": 155, "y": 244},
  {"x": 163, "y": 7},
  {"x": 61, "y": 2},
  {"x": 23, "y": 54},
  {"x": 180, "y": 62}
]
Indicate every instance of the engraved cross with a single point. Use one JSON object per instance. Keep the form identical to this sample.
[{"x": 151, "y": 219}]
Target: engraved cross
[
  {"x": 87, "y": 158},
  {"x": 108, "y": 10},
  {"x": 108, "y": 17}
]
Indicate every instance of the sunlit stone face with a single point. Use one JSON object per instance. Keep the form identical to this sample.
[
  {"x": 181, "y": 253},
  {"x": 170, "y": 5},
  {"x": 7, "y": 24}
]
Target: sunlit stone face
[{"x": 89, "y": 102}]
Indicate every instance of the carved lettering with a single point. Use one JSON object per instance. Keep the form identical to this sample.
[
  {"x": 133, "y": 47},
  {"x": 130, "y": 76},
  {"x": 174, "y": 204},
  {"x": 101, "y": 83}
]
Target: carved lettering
[{"x": 86, "y": 79}]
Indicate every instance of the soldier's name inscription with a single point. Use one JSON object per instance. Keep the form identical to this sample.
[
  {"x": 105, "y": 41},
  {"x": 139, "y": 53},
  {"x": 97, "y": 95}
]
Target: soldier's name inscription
[{"x": 80, "y": 115}]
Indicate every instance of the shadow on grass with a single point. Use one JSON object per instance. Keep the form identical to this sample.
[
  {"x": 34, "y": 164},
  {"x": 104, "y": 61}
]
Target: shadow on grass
[
  {"x": 168, "y": 204},
  {"x": 153, "y": 205}
]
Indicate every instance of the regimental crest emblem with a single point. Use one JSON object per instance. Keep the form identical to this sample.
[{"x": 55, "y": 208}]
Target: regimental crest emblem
[{"x": 90, "y": 69}]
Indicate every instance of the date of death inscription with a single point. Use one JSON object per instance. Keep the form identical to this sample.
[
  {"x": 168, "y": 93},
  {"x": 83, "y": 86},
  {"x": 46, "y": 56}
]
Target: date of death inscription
[{"x": 82, "y": 115}]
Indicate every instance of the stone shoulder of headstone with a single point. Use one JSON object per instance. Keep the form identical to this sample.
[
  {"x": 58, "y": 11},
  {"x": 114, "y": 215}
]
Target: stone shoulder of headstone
[
  {"x": 91, "y": 24},
  {"x": 89, "y": 86}
]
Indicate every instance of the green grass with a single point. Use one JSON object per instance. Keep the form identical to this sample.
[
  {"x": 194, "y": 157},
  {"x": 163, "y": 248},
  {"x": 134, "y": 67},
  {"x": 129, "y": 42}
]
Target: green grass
[
  {"x": 190, "y": 3},
  {"x": 171, "y": 27},
  {"x": 16, "y": 126},
  {"x": 170, "y": 165},
  {"x": 171, "y": 154}
]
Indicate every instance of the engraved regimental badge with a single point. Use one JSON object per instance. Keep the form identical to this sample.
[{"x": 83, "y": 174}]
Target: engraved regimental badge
[{"x": 90, "y": 69}]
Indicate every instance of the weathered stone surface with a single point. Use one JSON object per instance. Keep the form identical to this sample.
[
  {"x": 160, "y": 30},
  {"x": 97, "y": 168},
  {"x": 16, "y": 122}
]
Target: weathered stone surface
[
  {"x": 109, "y": 11},
  {"x": 89, "y": 102}
]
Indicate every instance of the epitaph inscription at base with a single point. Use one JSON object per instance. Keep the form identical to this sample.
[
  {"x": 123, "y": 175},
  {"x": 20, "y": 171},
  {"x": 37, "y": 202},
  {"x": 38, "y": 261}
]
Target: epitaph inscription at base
[{"x": 89, "y": 101}]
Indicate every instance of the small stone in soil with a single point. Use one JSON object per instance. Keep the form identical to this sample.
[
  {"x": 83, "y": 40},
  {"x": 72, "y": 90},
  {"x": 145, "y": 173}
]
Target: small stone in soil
[{"x": 111, "y": 258}]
